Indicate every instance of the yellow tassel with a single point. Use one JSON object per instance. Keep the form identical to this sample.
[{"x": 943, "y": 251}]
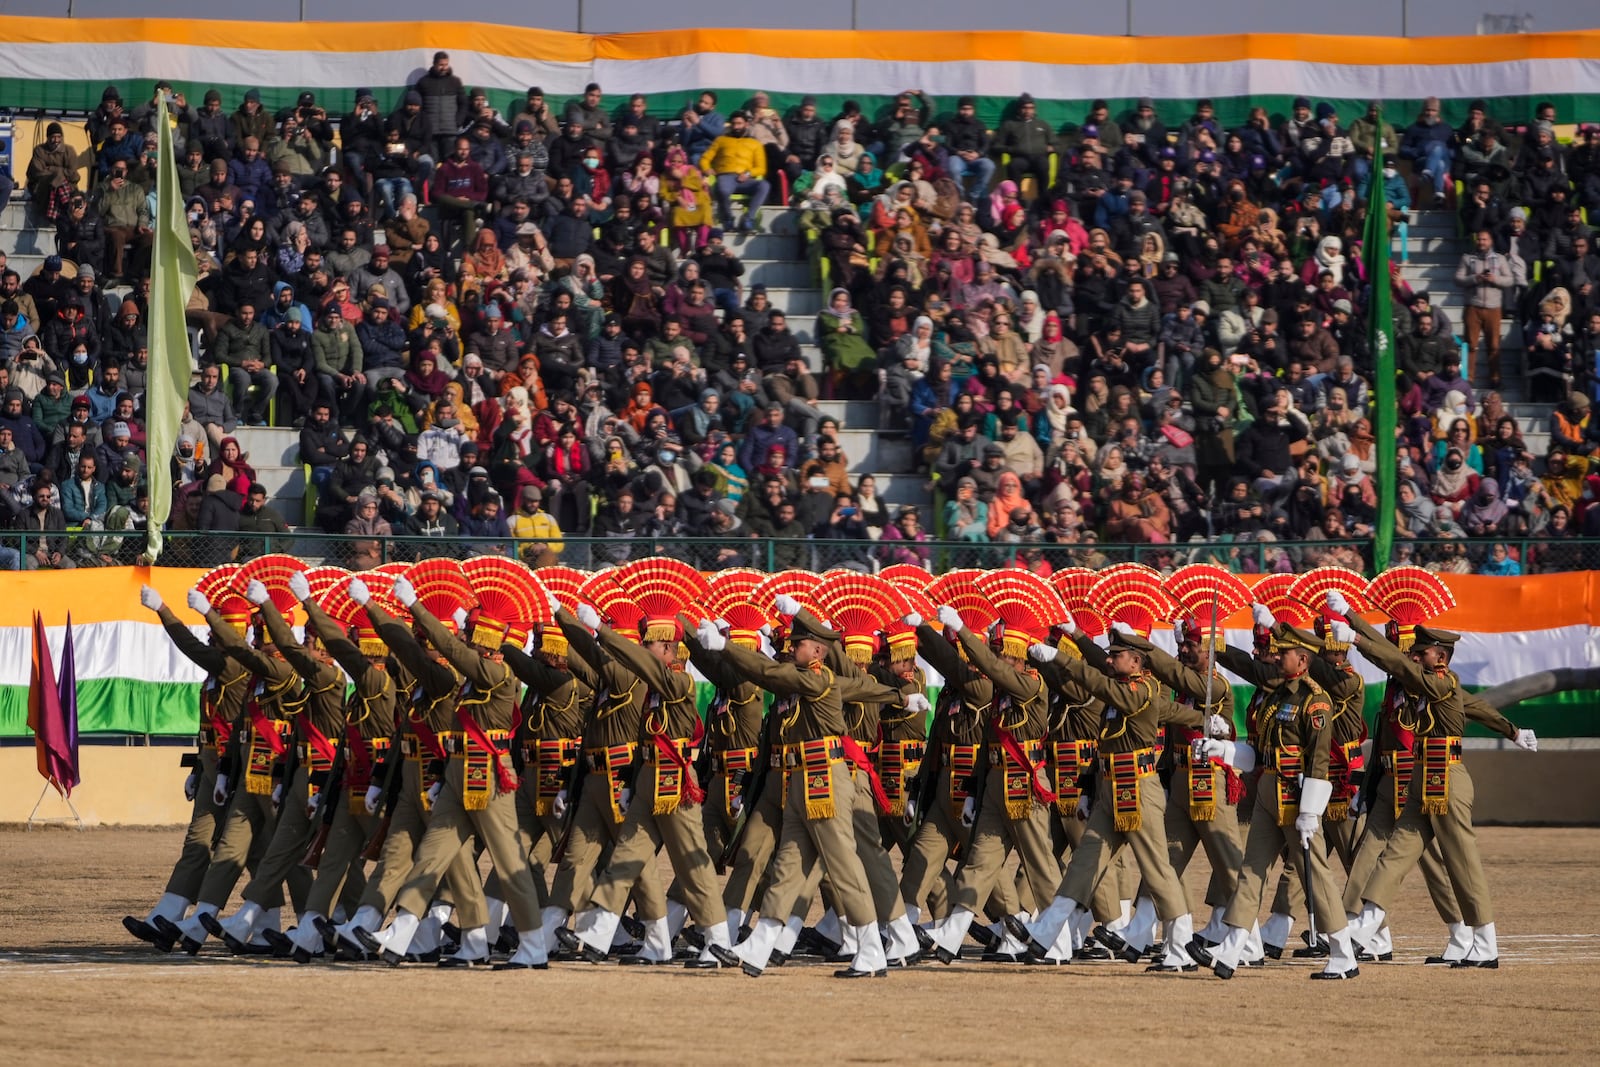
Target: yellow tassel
[
  {"x": 475, "y": 800},
  {"x": 819, "y": 809},
  {"x": 1338, "y": 811},
  {"x": 258, "y": 784},
  {"x": 1067, "y": 807},
  {"x": 1435, "y": 807},
  {"x": 1202, "y": 812},
  {"x": 542, "y": 806},
  {"x": 1018, "y": 809},
  {"x": 1130, "y": 823}
]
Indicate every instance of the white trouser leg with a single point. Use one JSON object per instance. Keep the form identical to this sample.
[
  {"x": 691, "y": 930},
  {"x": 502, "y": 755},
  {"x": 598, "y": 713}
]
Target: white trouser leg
[
  {"x": 1121, "y": 922},
  {"x": 368, "y": 918},
  {"x": 1231, "y": 950},
  {"x": 869, "y": 952},
  {"x": 914, "y": 914},
  {"x": 271, "y": 919},
  {"x": 1275, "y": 931},
  {"x": 677, "y": 915},
  {"x": 1485, "y": 944},
  {"x": 1341, "y": 953},
  {"x": 1215, "y": 928},
  {"x": 426, "y": 939},
  {"x": 792, "y": 928},
  {"x": 170, "y": 907},
  {"x": 242, "y": 924},
  {"x": 397, "y": 938},
  {"x": 551, "y": 919},
  {"x": 1382, "y": 942},
  {"x": 306, "y": 935},
  {"x": 1180, "y": 932},
  {"x": 499, "y": 910},
  {"x": 756, "y": 949},
  {"x": 902, "y": 938},
  {"x": 474, "y": 944},
  {"x": 849, "y": 943},
  {"x": 948, "y": 935},
  {"x": 736, "y": 917},
  {"x": 1047, "y": 927},
  {"x": 1460, "y": 942},
  {"x": 829, "y": 927},
  {"x": 716, "y": 934},
  {"x": 530, "y": 949},
  {"x": 657, "y": 940},
  {"x": 1140, "y": 932},
  {"x": 1367, "y": 923},
  {"x": 597, "y": 927},
  {"x": 1253, "y": 951}
]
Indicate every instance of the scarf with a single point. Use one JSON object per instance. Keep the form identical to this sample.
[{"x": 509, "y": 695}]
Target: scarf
[
  {"x": 1448, "y": 483},
  {"x": 1007, "y": 497},
  {"x": 1486, "y": 508}
]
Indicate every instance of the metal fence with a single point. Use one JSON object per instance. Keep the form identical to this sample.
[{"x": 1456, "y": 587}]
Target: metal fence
[{"x": 94, "y": 548}]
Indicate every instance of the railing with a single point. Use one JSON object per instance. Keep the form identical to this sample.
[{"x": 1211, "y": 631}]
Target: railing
[{"x": 95, "y": 548}]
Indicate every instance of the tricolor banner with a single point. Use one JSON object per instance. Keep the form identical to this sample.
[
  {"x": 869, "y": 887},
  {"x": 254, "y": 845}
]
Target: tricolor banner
[
  {"x": 131, "y": 679},
  {"x": 62, "y": 63}
]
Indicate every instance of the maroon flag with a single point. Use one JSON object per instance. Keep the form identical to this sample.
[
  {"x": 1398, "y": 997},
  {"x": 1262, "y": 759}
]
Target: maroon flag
[{"x": 54, "y": 720}]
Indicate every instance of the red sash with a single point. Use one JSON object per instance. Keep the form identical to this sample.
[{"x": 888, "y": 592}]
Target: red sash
[
  {"x": 858, "y": 756},
  {"x": 506, "y": 781},
  {"x": 265, "y": 729},
  {"x": 1019, "y": 759},
  {"x": 665, "y": 750},
  {"x": 359, "y": 761}
]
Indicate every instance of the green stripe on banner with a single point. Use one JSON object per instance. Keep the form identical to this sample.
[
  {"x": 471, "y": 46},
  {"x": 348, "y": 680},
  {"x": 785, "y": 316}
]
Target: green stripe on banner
[
  {"x": 60, "y": 95},
  {"x": 115, "y": 705}
]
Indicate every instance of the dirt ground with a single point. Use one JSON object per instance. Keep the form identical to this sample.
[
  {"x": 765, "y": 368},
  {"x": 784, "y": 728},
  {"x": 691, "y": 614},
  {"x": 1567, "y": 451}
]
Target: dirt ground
[{"x": 75, "y": 988}]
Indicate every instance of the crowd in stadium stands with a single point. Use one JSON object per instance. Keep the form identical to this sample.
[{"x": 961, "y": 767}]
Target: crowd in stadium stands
[{"x": 1144, "y": 328}]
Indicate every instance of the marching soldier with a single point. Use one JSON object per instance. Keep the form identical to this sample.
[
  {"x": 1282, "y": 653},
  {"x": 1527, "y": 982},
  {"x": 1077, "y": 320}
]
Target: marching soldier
[
  {"x": 664, "y": 807},
  {"x": 816, "y": 783},
  {"x": 222, "y": 697},
  {"x": 318, "y": 720},
  {"x": 1439, "y": 802},
  {"x": 477, "y": 793},
  {"x": 427, "y": 723},
  {"x": 1290, "y": 741},
  {"x": 265, "y": 741}
]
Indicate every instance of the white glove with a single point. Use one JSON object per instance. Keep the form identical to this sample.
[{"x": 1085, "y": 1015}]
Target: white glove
[
  {"x": 404, "y": 591},
  {"x": 149, "y": 598},
  {"x": 555, "y": 602},
  {"x": 191, "y": 785},
  {"x": 624, "y": 798},
  {"x": 969, "y": 811},
  {"x": 1043, "y": 653},
  {"x": 1525, "y": 739},
  {"x": 950, "y": 618},
  {"x": 374, "y": 797},
  {"x": 910, "y": 816},
  {"x": 198, "y": 602},
  {"x": 1070, "y": 626},
  {"x": 1307, "y": 824},
  {"x": 917, "y": 704},
  {"x": 1338, "y": 603},
  {"x": 1343, "y": 632},
  {"x": 736, "y": 805},
  {"x": 459, "y": 617},
  {"x": 299, "y": 586},
  {"x": 256, "y": 593},
  {"x": 1217, "y": 726},
  {"x": 359, "y": 592},
  {"x": 710, "y": 636},
  {"x": 1261, "y": 615},
  {"x": 558, "y": 806},
  {"x": 312, "y": 805},
  {"x": 219, "y": 794},
  {"x": 1211, "y": 748},
  {"x": 433, "y": 793},
  {"x": 1178, "y": 632},
  {"x": 1082, "y": 811},
  {"x": 1358, "y": 803},
  {"x": 588, "y": 616},
  {"x": 1123, "y": 628},
  {"x": 913, "y": 620},
  {"x": 277, "y": 795},
  {"x": 786, "y": 605}
]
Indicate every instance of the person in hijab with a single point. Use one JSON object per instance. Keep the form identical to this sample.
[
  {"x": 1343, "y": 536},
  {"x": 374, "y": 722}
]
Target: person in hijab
[
  {"x": 1137, "y": 515},
  {"x": 966, "y": 518},
  {"x": 1486, "y": 514},
  {"x": 1007, "y": 498},
  {"x": 1454, "y": 484},
  {"x": 842, "y": 335}
]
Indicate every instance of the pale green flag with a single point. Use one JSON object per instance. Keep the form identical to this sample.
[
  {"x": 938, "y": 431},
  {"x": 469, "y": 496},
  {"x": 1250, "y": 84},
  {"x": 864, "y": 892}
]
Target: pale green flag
[{"x": 172, "y": 280}]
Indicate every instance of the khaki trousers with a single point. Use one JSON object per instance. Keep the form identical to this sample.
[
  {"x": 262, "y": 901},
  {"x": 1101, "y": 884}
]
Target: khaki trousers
[
  {"x": 1219, "y": 836},
  {"x": 1342, "y": 837},
  {"x": 1375, "y": 837},
  {"x": 594, "y": 835},
  {"x": 291, "y": 836},
  {"x": 881, "y": 880},
  {"x": 246, "y": 831},
  {"x": 643, "y": 833},
  {"x": 997, "y": 834},
  {"x": 717, "y": 824},
  {"x": 1148, "y": 844},
  {"x": 451, "y": 829},
  {"x": 339, "y": 874},
  {"x": 759, "y": 842},
  {"x": 924, "y": 873},
  {"x": 1267, "y": 841},
  {"x": 408, "y": 824},
  {"x": 205, "y": 823},
  {"x": 1458, "y": 841},
  {"x": 803, "y": 841}
]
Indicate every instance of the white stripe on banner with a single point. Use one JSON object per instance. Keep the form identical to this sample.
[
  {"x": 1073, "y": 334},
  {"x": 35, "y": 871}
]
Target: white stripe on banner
[
  {"x": 685, "y": 74},
  {"x": 140, "y": 651}
]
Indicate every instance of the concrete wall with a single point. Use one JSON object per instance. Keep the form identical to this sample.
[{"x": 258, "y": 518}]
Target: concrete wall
[{"x": 144, "y": 787}]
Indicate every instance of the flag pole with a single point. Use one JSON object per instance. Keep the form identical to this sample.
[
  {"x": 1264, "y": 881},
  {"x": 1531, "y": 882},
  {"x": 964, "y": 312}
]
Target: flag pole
[{"x": 1380, "y": 338}]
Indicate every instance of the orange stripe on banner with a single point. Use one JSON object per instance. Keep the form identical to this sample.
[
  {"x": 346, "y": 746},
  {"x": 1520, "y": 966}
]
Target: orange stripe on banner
[
  {"x": 923, "y": 47},
  {"x": 1505, "y": 605},
  {"x": 104, "y": 594}
]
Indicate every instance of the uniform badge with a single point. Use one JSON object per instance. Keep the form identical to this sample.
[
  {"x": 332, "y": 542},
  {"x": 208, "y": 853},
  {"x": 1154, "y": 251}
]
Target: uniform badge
[{"x": 1318, "y": 721}]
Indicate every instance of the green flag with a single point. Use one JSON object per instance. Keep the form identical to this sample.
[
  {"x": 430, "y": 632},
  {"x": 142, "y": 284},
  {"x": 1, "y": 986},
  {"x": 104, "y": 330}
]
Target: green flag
[
  {"x": 172, "y": 280},
  {"x": 1380, "y": 338}
]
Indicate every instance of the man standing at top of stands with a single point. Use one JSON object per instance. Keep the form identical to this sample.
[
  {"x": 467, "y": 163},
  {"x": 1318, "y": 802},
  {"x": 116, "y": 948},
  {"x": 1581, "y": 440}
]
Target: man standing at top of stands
[{"x": 444, "y": 102}]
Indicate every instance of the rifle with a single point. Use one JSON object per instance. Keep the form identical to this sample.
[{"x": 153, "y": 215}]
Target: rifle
[
  {"x": 391, "y": 800},
  {"x": 924, "y": 787},
  {"x": 754, "y": 786},
  {"x": 330, "y": 794}
]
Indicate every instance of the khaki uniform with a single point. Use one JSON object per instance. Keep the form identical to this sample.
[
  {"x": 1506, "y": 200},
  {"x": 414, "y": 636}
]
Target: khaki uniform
[
  {"x": 550, "y": 738},
  {"x": 1208, "y": 821},
  {"x": 319, "y": 707},
  {"x": 820, "y": 794},
  {"x": 491, "y": 700},
  {"x": 1292, "y": 732},
  {"x": 1129, "y": 805},
  {"x": 369, "y": 721},
  {"x": 661, "y": 813},
  {"x": 902, "y": 735},
  {"x": 733, "y": 737},
  {"x": 222, "y": 699},
  {"x": 1349, "y": 693},
  {"x": 429, "y": 703},
  {"x": 956, "y": 757},
  {"x": 610, "y": 745},
  {"x": 251, "y": 820},
  {"x": 1013, "y": 813},
  {"x": 763, "y": 820},
  {"x": 1446, "y": 816}
]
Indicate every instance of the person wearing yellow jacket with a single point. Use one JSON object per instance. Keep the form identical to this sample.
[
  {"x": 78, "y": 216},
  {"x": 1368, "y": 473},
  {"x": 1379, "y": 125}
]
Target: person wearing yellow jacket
[{"x": 738, "y": 164}]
